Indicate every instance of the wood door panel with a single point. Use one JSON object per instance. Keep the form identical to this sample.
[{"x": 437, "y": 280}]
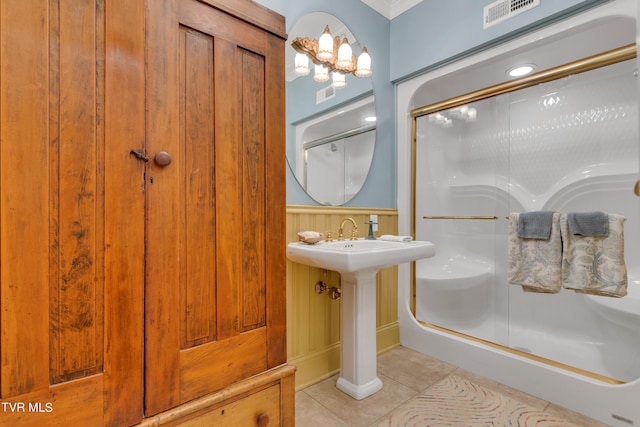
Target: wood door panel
[
  {"x": 247, "y": 11},
  {"x": 162, "y": 313},
  {"x": 253, "y": 192},
  {"x": 124, "y": 130},
  {"x": 203, "y": 18},
  {"x": 275, "y": 220},
  {"x": 74, "y": 403},
  {"x": 206, "y": 290},
  {"x": 76, "y": 197},
  {"x": 24, "y": 202},
  {"x": 198, "y": 183},
  {"x": 62, "y": 168},
  {"x": 215, "y": 365},
  {"x": 51, "y": 180},
  {"x": 229, "y": 180}
]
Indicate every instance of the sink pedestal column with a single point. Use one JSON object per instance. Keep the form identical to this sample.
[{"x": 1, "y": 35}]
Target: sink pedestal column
[{"x": 358, "y": 370}]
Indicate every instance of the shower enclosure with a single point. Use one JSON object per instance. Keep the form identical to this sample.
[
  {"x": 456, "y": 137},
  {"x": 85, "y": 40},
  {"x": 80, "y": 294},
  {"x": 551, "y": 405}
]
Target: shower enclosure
[
  {"x": 475, "y": 146},
  {"x": 567, "y": 144}
]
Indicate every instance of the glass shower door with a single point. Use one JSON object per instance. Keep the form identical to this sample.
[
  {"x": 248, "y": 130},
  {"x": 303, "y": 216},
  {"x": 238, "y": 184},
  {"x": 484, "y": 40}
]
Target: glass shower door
[
  {"x": 567, "y": 145},
  {"x": 461, "y": 203}
]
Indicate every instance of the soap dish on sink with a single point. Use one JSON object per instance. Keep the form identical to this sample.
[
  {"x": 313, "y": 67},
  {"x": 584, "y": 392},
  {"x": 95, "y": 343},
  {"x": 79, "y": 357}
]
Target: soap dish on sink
[{"x": 310, "y": 237}]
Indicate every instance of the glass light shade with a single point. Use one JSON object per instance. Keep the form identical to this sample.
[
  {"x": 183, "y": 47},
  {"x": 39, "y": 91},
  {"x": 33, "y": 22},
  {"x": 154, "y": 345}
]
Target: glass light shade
[
  {"x": 325, "y": 46},
  {"x": 521, "y": 70},
  {"x": 472, "y": 114},
  {"x": 364, "y": 64},
  {"x": 339, "y": 80},
  {"x": 345, "y": 56},
  {"x": 302, "y": 64},
  {"x": 321, "y": 74}
]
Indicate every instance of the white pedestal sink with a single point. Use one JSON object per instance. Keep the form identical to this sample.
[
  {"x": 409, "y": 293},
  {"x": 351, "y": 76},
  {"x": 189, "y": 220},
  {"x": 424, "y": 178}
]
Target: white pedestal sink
[{"x": 358, "y": 261}]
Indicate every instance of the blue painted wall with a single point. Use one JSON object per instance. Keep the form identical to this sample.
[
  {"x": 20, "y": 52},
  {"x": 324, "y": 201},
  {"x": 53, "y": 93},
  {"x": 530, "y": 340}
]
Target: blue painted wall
[
  {"x": 437, "y": 32},
  {"x": 431, "y": 34},
  {"x": 372, "y": 30}
]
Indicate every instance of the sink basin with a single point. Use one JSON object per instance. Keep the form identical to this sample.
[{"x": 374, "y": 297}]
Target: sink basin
[
  {"x": 358, "y": 262},
  {"x": 350, "y": 256}
]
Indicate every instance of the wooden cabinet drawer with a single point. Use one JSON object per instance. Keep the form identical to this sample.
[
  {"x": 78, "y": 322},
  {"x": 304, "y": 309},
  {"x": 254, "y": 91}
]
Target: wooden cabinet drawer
[{"x": 258, "y": 409}]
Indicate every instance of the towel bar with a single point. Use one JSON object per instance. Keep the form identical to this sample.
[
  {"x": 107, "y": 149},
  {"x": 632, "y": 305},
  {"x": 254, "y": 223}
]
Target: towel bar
[{"x": 461, "y": 217}]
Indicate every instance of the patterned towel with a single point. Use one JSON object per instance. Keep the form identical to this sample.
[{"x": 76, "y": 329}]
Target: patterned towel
[
  {"x": 595, "y": 264},
  {"x": 535, "y": 264}
]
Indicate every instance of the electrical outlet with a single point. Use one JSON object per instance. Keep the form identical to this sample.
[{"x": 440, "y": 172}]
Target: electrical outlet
[{"x": 374, "y": 219}]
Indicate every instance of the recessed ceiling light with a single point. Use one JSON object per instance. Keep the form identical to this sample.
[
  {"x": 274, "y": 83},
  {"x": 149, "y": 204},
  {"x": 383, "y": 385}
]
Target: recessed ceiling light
[
  {"x": 521, "y": 70},
  {"x": 370, "y": 119}
]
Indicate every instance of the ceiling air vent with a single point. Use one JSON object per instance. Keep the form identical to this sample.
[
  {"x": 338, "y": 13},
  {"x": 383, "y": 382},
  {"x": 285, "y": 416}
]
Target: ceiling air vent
[{"x": 502, "y": 10}]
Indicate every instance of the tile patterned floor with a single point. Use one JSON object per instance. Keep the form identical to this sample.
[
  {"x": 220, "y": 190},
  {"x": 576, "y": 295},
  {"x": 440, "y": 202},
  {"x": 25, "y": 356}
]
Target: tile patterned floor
[{"x": 420, "y": 391}]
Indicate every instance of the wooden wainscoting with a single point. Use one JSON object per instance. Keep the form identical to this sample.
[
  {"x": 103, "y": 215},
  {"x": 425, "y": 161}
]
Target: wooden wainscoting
[{"x": 313, "y": 321}]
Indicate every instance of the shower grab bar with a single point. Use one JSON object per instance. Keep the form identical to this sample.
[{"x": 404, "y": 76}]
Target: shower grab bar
[{"x": 461, "y": 217}]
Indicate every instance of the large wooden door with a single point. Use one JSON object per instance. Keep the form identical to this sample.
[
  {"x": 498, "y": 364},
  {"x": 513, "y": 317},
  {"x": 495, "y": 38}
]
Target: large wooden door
[
  {"x": 71, "y": 212},
  {"x": 214, "y": 250}
]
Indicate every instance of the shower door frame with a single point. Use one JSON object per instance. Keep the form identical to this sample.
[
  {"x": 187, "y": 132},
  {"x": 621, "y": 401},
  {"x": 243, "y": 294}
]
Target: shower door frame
[{"x": 589, "y": 63}]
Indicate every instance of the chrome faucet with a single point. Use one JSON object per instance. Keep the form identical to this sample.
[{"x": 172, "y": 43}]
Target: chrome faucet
[{"x": 353, "y": 232}]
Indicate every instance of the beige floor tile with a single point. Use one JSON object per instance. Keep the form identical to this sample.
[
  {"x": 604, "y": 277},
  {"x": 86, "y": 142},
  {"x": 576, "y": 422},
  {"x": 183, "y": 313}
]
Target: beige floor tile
[
  {"x": 310, "y": 413},
  {"x": 360, "y": 413},
  {"x": 412, "y": 369}
]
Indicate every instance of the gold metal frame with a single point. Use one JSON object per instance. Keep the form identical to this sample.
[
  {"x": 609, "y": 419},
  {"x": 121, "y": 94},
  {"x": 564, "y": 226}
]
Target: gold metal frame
[
  {"x": 526, "y": 355},
  {"x": 604, "y": 59},
  {"x": 488, "y": 218}
]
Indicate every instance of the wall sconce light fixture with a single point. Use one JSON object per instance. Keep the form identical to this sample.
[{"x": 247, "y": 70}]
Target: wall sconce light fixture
[{"x": 330, "y": 55}]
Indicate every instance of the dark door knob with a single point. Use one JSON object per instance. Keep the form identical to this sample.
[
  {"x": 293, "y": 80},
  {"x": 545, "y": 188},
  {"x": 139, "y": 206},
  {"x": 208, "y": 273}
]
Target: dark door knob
[
  {"x": 263, "y": 420},
  {"x": 162, "y": 158}
]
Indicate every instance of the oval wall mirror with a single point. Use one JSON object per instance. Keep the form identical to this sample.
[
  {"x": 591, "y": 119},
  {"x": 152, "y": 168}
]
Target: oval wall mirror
[{"x": 330, "y": 131}]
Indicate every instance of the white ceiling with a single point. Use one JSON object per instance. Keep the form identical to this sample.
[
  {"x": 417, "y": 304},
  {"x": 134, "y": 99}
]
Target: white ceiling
[{"x": 391, "y": 8}]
